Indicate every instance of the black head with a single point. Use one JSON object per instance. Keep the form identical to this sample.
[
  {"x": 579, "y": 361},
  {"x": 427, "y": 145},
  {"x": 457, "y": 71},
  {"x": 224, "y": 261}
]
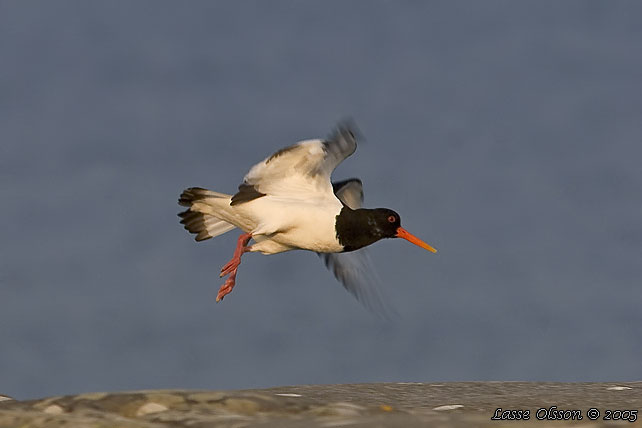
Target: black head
[
  {"x": 385, "y": 222},
  {"x": 362, "y": 227}
]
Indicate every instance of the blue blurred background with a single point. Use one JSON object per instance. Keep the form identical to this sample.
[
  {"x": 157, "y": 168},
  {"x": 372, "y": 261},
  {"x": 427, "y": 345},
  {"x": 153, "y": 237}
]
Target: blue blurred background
[{"x": 506, "y": 134}]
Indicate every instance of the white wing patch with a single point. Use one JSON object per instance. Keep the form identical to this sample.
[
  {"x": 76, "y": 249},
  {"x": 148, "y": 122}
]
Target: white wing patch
[
  {"x": 293, "y": 173},
  {"x": 299, "y": 172}
]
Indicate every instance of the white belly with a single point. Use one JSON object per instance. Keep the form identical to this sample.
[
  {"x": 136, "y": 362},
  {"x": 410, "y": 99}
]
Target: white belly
[{"x": 282, "y": 226}]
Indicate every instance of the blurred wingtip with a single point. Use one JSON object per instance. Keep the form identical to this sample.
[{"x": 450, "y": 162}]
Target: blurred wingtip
[
  {"x": 356, "y": 273},
  {"x": 347, "y": 124}
]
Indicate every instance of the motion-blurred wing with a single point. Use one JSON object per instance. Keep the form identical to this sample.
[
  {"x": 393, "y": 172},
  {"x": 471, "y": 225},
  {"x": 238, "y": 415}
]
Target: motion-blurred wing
[
  {"x": 355, "y": 270},
  {"x": 301, "y": 171}
]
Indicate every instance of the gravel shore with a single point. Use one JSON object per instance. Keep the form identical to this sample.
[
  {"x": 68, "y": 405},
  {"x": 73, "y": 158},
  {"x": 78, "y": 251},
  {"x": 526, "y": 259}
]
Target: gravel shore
[{"x": 405, "y": 404}]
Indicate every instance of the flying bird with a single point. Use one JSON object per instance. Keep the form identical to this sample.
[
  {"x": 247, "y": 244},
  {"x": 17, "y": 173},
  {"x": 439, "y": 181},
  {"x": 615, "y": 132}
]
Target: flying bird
[{"x": 287, "y": 202}]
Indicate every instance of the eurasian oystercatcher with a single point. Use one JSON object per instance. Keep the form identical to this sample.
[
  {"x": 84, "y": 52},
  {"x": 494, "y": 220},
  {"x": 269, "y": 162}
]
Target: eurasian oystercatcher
[{"x": 287, "y": 202}]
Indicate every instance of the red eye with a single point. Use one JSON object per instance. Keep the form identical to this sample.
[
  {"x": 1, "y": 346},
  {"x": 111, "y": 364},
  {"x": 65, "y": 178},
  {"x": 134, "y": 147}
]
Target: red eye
[{"x": 392, "y": 219}]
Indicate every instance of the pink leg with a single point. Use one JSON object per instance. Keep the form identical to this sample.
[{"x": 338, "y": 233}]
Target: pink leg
[{"x": 232, "y": 266}]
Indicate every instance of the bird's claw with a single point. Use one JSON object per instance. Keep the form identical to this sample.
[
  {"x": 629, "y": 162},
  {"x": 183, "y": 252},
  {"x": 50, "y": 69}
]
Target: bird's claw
[
  {"x": 230, "y": 267},
  {"x": 226, "y": 288}
]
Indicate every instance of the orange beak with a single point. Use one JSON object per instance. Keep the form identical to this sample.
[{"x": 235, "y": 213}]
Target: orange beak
[{"x": 403, "y": 233}]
